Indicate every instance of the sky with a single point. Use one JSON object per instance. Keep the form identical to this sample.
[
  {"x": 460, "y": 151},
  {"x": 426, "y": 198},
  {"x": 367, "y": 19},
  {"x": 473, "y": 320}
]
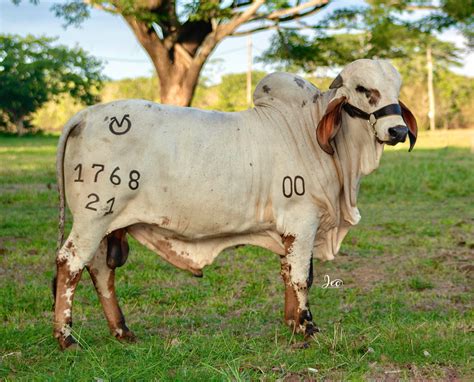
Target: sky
[{"x": 109, "y": 38}]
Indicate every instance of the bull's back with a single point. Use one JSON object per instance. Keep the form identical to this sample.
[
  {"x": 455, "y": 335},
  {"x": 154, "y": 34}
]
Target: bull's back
[{"x": 197, "y": 172}]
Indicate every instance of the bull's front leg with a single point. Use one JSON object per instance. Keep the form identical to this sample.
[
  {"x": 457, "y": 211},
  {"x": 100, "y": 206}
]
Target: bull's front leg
[{"x": 297, "y": 274}]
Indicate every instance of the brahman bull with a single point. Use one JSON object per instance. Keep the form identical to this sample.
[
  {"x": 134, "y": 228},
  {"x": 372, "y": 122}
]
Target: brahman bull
[{"x": 188, "y": 183}]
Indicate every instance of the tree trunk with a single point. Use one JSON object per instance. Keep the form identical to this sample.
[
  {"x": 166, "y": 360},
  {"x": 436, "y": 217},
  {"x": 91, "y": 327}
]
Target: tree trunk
[
  {"x": 179, "y": 50},
  {"x": 177, "y": 85},
  {"x": 249, "y": 71},
  {"x": 431, "y": 98},
  {"x": 20, "y": 126},
  {"x": 180, "y": 76}
]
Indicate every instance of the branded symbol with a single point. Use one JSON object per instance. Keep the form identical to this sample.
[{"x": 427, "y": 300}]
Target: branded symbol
[{"x": 117, "y": 127}]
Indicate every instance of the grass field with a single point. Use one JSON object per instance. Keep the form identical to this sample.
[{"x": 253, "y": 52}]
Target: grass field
[{"x": 405, "y": 310}]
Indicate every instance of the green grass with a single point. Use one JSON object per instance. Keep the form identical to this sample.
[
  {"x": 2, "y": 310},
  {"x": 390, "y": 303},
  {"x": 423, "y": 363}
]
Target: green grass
[{"x": 405, "y": 310}]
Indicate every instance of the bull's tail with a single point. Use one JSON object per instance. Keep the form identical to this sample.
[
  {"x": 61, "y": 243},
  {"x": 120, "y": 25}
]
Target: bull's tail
[{"x": 74, "y": 122}]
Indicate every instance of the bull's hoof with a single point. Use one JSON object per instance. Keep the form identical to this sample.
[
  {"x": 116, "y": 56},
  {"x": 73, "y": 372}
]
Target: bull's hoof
[
  {"x": 68, "y": 343},
  {"x": 73, "y": 347},
  {"x": 310, "y": 330},
  {"x": 307, "y": 328},
  {"x": 125, "y": 336}
]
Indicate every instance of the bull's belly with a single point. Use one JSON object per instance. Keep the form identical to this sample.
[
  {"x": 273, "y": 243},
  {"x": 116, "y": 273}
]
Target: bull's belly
[
  {"x": 195, "y": 254},
  {"x": 194, "y": 213}
]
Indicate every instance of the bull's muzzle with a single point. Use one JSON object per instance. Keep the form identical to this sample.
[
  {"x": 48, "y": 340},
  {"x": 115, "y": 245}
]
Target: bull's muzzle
[{"x": 397, "y": 134}]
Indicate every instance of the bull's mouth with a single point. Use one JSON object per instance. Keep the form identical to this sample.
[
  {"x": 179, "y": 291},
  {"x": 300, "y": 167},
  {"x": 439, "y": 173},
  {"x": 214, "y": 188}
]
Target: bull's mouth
[
  {"x": 390, "y": 142},
  {"x": 393, "y": 142}
]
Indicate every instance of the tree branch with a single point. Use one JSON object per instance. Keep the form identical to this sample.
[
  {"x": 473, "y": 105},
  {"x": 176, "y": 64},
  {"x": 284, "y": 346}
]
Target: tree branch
[
  {"x": 188, "y": 59},
  {"x": 228, "y": 28},
  {"x": 102, "y": 7},
  {"x": 222, "y": 31},
  {"x": 421, "y": 7},
  {"x": 269, "y": 27},
  {"x": 152, "y": 44},
  {"x": 297, "y": 16},
  {"x": 284, "y": 16},
  {"x": 290, "y": 12}
]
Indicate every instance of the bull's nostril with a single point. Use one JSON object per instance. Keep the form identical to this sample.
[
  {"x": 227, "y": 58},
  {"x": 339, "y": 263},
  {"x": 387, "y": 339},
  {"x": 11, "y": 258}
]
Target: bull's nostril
[
  {"x": 392, "y": 132},
  {"x": 398, "y": 133}
]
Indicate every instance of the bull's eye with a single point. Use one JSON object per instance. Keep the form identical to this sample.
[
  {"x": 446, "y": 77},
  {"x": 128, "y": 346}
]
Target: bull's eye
[
  {"x": 361, "y": 89},
  {"x": 373, "y": 95}
]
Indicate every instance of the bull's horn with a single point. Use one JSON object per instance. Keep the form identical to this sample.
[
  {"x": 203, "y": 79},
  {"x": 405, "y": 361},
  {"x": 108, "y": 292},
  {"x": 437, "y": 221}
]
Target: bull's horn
[{"x": 337, "y": 83}]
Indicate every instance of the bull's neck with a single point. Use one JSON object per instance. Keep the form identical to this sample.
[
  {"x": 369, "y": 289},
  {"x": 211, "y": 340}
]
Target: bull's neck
[{"x": 356, "y": 154}]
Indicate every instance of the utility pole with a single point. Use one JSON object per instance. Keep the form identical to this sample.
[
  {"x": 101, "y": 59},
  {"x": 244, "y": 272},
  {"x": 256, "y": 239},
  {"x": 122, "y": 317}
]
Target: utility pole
[
  {"x": 249, "y": 71},
  {"x": 431, "y": 98}
]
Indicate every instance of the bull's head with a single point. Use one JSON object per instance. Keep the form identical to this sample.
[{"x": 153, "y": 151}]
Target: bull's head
[{"x": 368, "y": 90}]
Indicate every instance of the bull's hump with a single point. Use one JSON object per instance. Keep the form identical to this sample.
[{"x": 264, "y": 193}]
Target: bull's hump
[{"x": 287, "y": 88}]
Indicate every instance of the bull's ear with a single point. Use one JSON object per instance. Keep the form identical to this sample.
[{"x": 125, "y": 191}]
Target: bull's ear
[
  {"x": 410, "y": 120},
  {"x": 329, "y": 125}
]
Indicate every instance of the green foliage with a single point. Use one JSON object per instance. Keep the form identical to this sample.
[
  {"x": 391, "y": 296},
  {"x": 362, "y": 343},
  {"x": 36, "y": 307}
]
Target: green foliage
[
  {"x": 454, "y": 95},
  {"x": 455, "y": 99},
  {"x": 418, "y": 283},
  {"x": 232, "y": 91},
  {"x": 379, "y": 30},
  {"x": 376, "y": 32},
  {"x": 452, "y": 13},
  {"x": 142, "y": 88},
  {"x": 33, "y": 71},
  {"x": 74, "y": 12}
]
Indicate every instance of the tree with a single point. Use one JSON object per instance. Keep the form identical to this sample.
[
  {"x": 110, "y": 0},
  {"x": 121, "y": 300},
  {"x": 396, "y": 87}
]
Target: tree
[
  {"x": 33, "y": 71},
  {"x": 379, "y": 30},
  {"x": 179, "y": 36}
]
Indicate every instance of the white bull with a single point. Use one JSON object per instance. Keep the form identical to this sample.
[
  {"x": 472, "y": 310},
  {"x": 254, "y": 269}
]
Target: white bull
[{"x": 189, "y": 183}]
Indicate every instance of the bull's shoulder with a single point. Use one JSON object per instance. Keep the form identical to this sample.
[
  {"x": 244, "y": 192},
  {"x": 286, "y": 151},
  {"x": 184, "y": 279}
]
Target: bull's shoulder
[{"x": 285, "y": 87}]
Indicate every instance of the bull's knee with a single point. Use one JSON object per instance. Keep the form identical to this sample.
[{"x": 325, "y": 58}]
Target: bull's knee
[{"x": 117, "y": 249}]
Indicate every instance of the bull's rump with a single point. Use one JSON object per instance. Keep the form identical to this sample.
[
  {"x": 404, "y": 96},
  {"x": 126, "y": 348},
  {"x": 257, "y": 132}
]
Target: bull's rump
[{"x": 198, "y": 173}]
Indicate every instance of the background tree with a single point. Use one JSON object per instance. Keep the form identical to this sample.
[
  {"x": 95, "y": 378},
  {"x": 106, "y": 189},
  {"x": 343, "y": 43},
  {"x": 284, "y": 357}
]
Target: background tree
[
  {"x": 179, "y": 36},
  {"x": 33, "y": 71},
  {"x": 379, "y": 30}
]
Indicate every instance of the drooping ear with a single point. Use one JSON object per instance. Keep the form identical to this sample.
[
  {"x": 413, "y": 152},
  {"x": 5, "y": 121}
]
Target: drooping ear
[
  {"x": 410, "y": 120},
  {"x": 329, "y": 125}
]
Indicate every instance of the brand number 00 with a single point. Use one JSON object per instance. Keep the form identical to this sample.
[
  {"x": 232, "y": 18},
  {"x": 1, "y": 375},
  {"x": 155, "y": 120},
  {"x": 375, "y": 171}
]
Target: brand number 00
[{"x": 291, "y": 186}]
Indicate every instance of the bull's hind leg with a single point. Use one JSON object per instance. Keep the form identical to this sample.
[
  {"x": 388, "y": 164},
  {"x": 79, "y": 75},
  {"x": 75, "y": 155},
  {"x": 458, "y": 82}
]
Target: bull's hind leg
[
  {"x": 103, "y": 278},
  {"x": 76, "y": 252}
]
